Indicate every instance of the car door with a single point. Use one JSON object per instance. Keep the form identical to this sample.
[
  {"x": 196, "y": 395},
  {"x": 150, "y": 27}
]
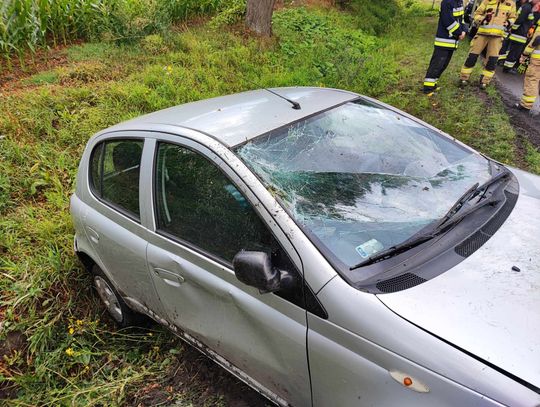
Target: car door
[
  {"x": 203, "y": 219},
  {"x": 112, "y": 217}
]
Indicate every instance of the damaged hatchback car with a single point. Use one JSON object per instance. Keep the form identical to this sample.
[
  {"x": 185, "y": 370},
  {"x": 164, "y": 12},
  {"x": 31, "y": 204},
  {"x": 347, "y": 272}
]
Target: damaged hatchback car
[{"x": 324, "y": 247}]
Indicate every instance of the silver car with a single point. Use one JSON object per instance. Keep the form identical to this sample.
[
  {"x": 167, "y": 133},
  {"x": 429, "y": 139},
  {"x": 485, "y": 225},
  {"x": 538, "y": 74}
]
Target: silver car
[{"x": 327, "y": 249}]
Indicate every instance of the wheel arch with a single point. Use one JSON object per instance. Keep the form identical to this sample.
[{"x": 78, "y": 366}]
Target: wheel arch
[{"x": 87, "y": 261}]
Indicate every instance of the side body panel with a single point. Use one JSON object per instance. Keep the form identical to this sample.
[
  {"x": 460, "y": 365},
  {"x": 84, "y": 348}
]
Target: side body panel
[
  {"x": 347, "y": 370},
  {"x": 353, "y": 352}
]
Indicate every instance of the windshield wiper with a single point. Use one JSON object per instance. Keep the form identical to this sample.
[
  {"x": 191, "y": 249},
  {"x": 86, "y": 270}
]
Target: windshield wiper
[
  {"x": 470, "y": 194},
  {"x": 444, "y": 223},
  {"x": 466, "y": 197}
]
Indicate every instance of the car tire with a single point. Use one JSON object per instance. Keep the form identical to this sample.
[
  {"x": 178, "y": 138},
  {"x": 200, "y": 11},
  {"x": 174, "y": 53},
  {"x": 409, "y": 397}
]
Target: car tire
[{"x": 116, "y": 307}]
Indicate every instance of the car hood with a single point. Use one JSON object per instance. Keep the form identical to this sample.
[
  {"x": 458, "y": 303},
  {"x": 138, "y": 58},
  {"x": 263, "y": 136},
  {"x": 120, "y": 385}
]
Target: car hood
[{"x": 483, "y": 305}]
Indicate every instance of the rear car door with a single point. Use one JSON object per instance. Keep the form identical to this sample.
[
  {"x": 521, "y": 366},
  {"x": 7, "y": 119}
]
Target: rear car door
[
  {"x": 112, "y": 217},
  {"x": 204, "y": 215}
]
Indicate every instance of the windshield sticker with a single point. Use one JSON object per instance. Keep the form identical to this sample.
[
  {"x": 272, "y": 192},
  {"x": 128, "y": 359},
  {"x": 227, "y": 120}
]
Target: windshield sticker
[{"x": 369, "y": 248}]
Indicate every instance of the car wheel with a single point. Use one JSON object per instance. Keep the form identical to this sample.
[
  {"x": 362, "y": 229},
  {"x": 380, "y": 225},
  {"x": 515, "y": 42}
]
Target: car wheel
[{"x": 115, "y": 305}]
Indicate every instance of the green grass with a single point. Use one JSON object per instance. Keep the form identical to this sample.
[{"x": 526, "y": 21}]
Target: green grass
[
  {"x": 42, "y": 78},
  {"x": 48, "y": 117},
  {"x": 532, "y": 158}
]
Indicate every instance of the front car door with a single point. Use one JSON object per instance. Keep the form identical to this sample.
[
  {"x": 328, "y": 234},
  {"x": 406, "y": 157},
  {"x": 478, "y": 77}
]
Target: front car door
[{"x": 204, "y": 215}]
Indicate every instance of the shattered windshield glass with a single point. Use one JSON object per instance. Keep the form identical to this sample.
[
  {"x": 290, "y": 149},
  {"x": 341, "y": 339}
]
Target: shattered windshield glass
[{"x": 361, "y": 178}]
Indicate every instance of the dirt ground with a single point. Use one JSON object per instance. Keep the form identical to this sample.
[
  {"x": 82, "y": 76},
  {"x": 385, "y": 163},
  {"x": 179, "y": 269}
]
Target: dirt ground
[
  {"x": 44, "y": 59},
  {"x": 14, "y": 342},
  {"x": 202, "y": 381},
  {"x": 510, "y": 88}
]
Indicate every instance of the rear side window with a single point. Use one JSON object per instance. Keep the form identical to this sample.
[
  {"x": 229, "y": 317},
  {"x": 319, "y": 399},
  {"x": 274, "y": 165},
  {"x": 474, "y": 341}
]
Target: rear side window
[
  {"x": 95, "y": 169},
  {"x": 114, "y": 174}
]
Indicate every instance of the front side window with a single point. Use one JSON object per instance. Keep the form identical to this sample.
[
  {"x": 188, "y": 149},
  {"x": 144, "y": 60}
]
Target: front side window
[
  {"x": 361, "y": 178},
  {"x": 198, "y": 204},
  {"x": 114, "y": 174}
]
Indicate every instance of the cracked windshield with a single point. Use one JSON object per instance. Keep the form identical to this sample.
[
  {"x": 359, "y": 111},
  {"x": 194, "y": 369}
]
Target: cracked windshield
[{"x": 361, "y": 178}]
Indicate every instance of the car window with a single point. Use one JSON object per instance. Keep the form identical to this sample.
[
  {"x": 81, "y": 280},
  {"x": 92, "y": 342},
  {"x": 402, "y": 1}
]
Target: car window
[
  {"x": 114, "y": 174},
  {"x": 198, "y": 204},
  {"x": 95, "y": 169}
]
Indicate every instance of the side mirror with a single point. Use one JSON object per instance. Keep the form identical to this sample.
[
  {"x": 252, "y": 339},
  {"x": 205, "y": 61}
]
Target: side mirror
[{"x": 255, "y": 269}]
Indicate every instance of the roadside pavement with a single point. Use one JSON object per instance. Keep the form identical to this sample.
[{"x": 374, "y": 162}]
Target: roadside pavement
[{"x": 511, "y": 86}]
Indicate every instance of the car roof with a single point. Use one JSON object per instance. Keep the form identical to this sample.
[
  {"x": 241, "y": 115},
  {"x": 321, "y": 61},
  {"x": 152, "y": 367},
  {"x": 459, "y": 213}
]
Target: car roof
[{"x": 237, "y": 118}]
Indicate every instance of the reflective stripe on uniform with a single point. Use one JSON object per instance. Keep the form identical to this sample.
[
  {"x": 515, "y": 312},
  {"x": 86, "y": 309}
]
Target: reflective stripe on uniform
[
  {"x": 445, "y": 42},
  {"x": 452, "y": 27},
  {"x": 531, "y": 16},
  {"x": 516, "y": 26},
  {"x": 528, "y": 99},
  {"x": 518, "y": 38},
  {"x": 536, "y": 54},
  {"x": 509, "y": 64},
  {"x": 430, "y": 83},
  {"x": 458, "y": 11},
  {"x": 491, "y": 29},
  {"x": 488, "y": 74},
  {"x": 503, "y": 56}
]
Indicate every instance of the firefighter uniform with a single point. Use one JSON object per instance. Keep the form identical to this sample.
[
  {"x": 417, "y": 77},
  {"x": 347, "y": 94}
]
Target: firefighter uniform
[
  {"x": 531, "y": 87},
  {"x": 491, "y": 17},
  {"x": 518, "y": 36},
  {"x": 449, "y": 29}
]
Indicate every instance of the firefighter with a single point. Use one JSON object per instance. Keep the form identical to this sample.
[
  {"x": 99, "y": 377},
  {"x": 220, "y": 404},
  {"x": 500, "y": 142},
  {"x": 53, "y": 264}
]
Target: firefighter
[
  {"x": 492, "y": 17},
  {"x": 531, "y": 87},
  {"x": 449, "y": 31},
  {"x": 536, "y": 11},
  {"x": 518, "y": 36}
]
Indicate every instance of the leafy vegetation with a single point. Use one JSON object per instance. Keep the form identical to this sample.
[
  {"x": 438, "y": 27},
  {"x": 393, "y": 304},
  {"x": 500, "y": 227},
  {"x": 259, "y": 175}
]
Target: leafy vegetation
[{"x": 69, "y": 353}]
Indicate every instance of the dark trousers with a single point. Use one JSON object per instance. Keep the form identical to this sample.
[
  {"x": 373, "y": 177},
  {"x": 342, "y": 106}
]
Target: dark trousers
[
  {"x": 503, "y": 53},
  {"x": 439, "y": 62},
  {"x": 514, "y": 52}
]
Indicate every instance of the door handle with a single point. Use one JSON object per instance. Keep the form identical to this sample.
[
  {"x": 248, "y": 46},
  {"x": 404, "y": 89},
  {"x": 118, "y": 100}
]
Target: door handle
[
  {"x": 169, "y": 277},
  {"x": 92, "y": 235}
]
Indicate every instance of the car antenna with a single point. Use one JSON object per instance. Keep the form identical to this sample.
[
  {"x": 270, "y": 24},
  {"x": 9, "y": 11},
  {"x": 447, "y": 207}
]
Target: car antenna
[{"x": 295, "y": 105}]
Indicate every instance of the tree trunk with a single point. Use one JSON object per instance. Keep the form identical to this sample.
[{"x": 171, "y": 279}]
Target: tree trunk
[{"x": 259, "y": 16}]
